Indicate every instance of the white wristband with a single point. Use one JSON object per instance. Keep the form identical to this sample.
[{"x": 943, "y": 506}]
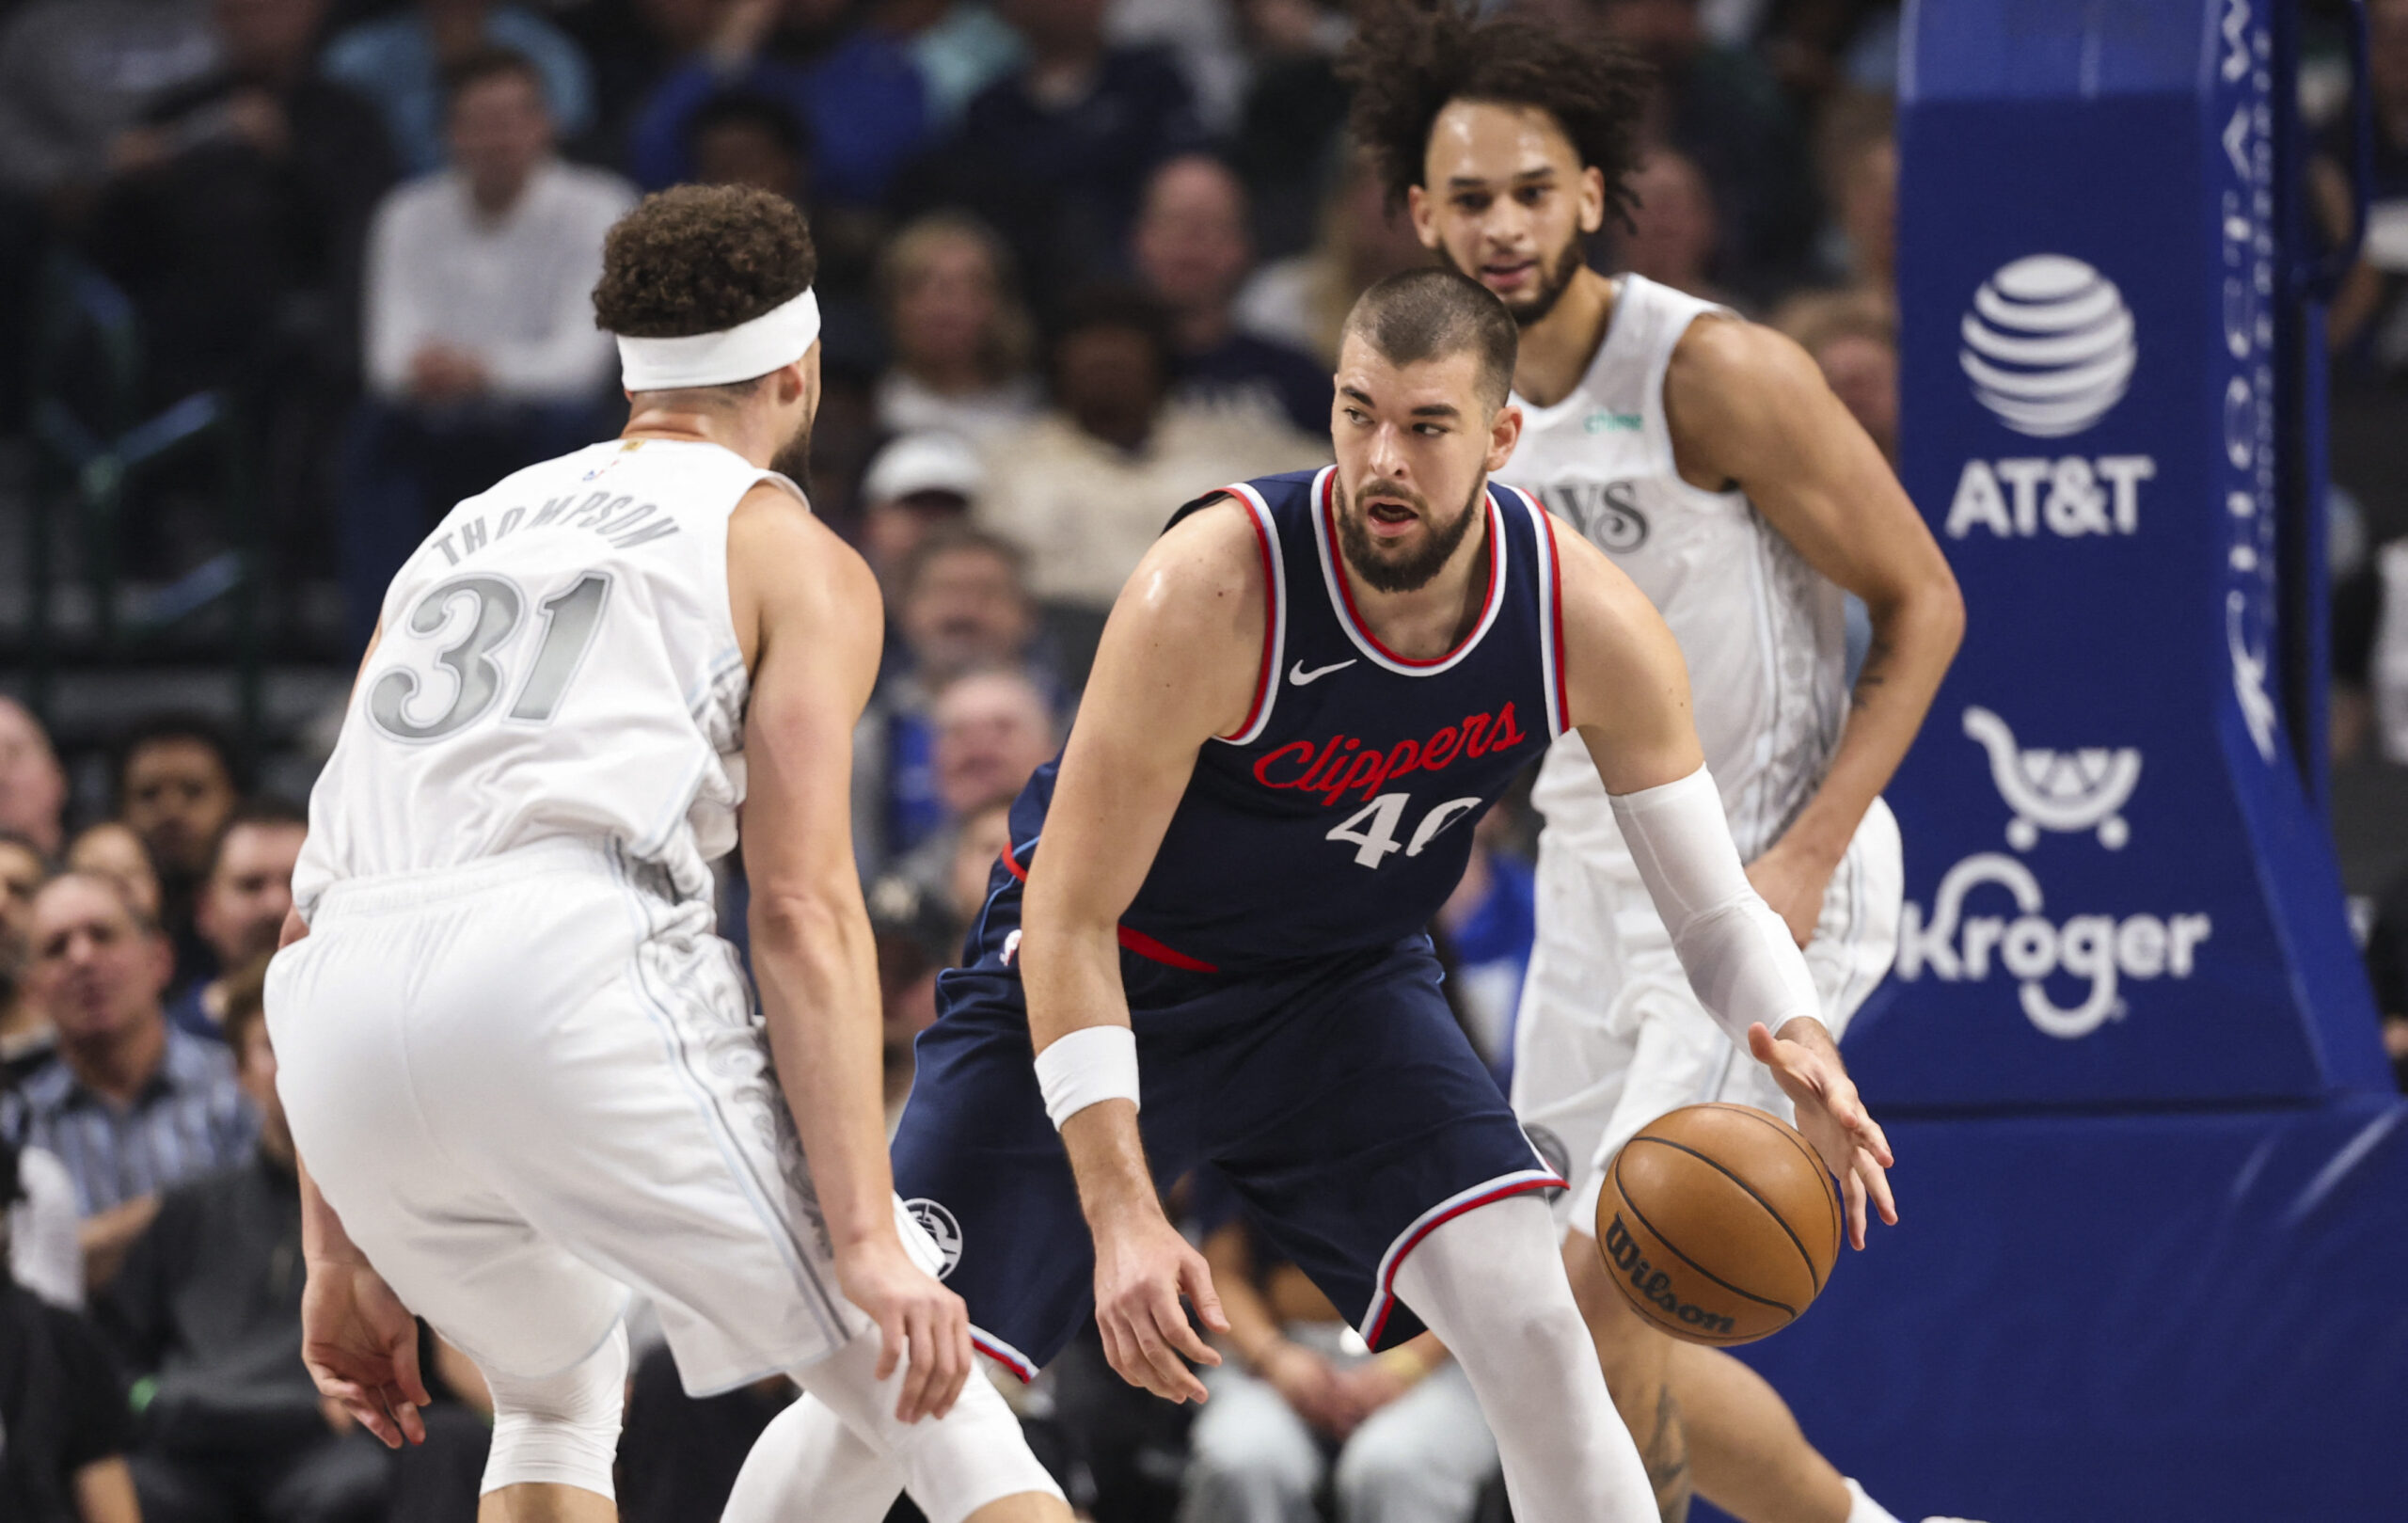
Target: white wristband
[{"x": 1090, "y": 1064}]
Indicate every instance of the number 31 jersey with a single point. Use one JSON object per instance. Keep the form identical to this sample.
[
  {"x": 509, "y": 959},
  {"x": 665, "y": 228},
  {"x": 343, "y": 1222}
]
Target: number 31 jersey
[
  {"x": 557, "y": 659},
  {"x": 1338, "y": 817}
]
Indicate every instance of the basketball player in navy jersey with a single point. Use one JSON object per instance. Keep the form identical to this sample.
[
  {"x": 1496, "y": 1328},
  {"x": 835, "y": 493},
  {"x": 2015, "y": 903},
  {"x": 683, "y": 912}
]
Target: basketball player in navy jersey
[
  {"x": 1707, "y": 456},
  {"x": 1208, "y": 929}
]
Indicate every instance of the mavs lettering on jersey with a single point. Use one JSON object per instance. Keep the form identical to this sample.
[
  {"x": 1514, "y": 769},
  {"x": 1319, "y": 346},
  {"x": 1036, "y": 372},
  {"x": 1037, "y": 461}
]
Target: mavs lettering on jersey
[{"x": 1340, "y": 815}]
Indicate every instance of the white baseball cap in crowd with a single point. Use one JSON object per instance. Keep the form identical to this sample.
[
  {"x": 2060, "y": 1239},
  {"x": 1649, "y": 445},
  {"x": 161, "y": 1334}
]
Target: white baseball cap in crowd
[{"x": 927, "y": 462}]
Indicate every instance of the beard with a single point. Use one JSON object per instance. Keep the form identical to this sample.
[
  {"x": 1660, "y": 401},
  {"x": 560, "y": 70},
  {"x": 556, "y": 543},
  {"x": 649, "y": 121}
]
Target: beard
[
  {"x": 793, "y": 459},
  {"x": 1388, "y": 573},
  {"x": 1555, "y": 278}
]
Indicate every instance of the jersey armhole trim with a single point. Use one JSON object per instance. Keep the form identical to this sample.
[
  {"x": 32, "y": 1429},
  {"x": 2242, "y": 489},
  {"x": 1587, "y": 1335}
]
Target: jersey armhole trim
[
  {"x": 1131, "y": 940},
  {"x": 1275, "y": 614},
  {"x": 1559, "y": 696}
]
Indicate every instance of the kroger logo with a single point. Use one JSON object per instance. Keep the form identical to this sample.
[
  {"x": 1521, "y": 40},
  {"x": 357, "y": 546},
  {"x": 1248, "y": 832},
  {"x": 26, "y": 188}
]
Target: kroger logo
[
  {"x": 1957, "y": 947},
  {"x": 2067, "y": 792},
  {"x": 2057, "y": 790},
  {"x": 2049, "y": 345}
]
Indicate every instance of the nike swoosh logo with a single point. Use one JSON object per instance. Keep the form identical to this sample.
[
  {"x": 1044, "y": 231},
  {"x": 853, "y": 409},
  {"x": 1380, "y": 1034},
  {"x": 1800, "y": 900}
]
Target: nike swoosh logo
[{"x": 1298, "y": 676}]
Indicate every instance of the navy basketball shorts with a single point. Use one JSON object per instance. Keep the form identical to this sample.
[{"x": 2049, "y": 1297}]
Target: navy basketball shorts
[{"x": 1341, "y": 1101}]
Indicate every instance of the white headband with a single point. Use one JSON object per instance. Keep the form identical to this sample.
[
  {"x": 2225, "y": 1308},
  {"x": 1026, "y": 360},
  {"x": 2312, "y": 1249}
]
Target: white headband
[{"x": 778, "y": 337}]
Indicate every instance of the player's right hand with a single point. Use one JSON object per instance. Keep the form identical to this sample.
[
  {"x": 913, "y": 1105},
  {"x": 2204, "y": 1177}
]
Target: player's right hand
[
  {"x": 1806, "y": 1063},
  {"x": 917, "y": 1318},
  {"x": 360, "y": 1345},
  {"x": 1142, "y": 1267}
]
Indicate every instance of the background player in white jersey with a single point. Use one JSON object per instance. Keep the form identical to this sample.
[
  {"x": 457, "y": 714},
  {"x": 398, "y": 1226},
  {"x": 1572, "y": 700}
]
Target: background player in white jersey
[
  {"x": 524, "y": 1075},
  {"x": 1711, "y": 461}
]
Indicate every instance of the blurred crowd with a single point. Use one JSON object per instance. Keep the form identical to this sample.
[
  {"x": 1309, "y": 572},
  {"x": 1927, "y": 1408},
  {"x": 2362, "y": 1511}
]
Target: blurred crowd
[{"x": 1081, "y": 261}]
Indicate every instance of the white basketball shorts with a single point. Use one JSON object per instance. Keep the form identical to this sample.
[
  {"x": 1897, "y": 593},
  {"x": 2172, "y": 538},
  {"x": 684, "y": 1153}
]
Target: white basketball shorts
[
  {"x": 1610, "y": 1035},
  {"x": 531, "y": 1085}
]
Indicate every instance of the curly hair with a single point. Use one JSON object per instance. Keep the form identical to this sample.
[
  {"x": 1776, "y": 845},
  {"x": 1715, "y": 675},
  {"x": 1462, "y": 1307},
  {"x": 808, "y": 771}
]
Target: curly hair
[
  {"x": 699, "y": 258},
  {"x": 1409, "y": 59}
]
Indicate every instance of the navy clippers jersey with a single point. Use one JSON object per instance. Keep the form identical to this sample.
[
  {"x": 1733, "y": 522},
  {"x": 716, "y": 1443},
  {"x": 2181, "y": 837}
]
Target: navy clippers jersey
[{"x": 1339, "y": 817}]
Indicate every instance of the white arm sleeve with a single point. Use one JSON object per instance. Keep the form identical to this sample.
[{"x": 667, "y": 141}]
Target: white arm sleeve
[{"x": 1742, "y": 963}]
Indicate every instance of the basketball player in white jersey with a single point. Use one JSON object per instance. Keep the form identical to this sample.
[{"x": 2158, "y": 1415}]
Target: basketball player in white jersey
[
  {"x": 1706, "y": 455},
  {"x": 525, "y": 1077}
]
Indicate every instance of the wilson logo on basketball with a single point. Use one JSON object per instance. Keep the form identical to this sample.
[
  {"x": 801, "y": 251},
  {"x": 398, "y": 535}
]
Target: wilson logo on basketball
[
  {"x": 1654, "y": 1285},
  {"x": 1342, "y": 764}
]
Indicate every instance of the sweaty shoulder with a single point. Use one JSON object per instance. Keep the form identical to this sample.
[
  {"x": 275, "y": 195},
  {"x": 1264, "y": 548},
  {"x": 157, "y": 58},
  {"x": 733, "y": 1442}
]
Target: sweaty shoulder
[
  {"x": 784, "y": 564},
  {"x": 1620, "y": 659},
  {"x": 1192, "y": 617},
  {"x": 1730, "y": 385}
]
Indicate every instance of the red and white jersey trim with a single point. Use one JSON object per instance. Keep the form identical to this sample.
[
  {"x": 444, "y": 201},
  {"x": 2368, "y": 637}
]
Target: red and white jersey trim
[
  {"x": 1274, "y": 615},
  {"x": 1003, "y": 1353},
  {"x": 1559, "y": 699},
  {"x": 1375, "y": 1316},
  {"x": 1343, "y": 601}
]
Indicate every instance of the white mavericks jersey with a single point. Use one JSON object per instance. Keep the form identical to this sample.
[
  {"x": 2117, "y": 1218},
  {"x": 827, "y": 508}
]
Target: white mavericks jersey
[
  {"x": 1762, "y": 631},
  {"x": 557, "y": 659}
]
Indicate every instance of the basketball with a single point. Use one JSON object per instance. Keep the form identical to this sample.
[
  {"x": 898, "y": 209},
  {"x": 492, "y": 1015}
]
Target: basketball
[{"x": 1719, "y": 1224}]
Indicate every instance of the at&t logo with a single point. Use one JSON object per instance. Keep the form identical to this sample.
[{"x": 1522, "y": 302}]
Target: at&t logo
[
  {"x": 2049, "y": 345},
  {"x": 2066, "y": 791},
  {"x": 2049, "y": 349}
]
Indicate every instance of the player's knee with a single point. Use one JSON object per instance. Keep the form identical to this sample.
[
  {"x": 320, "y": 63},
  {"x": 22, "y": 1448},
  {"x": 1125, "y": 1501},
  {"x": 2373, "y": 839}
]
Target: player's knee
[
  {"x": 973, "y": 1455},
  {"x": 562, "y": 1429}
]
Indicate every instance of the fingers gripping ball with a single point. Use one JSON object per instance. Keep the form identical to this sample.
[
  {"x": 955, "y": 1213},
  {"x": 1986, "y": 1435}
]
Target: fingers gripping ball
[{"x": 1719, "y": 1224}]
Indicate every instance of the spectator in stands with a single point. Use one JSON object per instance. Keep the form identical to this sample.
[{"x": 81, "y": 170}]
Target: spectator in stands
[
  {"x": 962, "y": 604},
  {"x": 27, "y": 1038},
  {"x": 960, "y": 337},
  {"x": 855, "y": 87},
  {"x": 483, "y": 355},
  {"x": 235, "y": 223},
  {"x": 240, "y": 195},
  {"x": 983, "y": 837},
  {"x": 740, "y": 138},
  {"x": 1087, "y": 487},
  {"x": 990, "y": 730},
  {"x": 1721, "y": 106},
  {"x": 1302, "y": 301},
  {"x": 176, "y": 788},
  {"x": 75, "y": 74},
  {"x": 33, "y": 786},
  {"x": 1406, "y": 1431},
  {"x": 1292, "y": 124},
  {"x": 1673, "y": 235},
  {"x": 130, "y": 1104},
  {"x": 62, "y": 1408},
  {"x": 111, "y": 850},
  {"x": 407, "y": 62},
  {"x": 959, "y": 46},
  {"x": 1056, "y": 154},
  {"x": 207, "y": 1311},
  {"x": 1192, "y": 251},
  {"x": 244, "y": 899},
  {"x": 917, "y": 485},
  {"x": 1853, "y": 336}
]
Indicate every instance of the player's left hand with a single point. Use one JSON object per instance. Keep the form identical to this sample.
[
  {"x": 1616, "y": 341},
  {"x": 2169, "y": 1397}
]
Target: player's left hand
[
  {"x": 1793, "y": 881},
  {"x": 917, "y": 1318},
  {"x": 1805, "y": 1062}
]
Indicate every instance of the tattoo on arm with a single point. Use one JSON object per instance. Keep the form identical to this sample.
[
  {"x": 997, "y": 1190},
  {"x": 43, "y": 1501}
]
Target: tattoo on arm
[
  {"x": 1876, "y": 670},
  {"x": 1666, "y": 1454}
]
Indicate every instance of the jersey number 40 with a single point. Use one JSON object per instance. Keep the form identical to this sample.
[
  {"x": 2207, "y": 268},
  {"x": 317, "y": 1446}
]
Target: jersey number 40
[{"x": 1372, "y": 829}]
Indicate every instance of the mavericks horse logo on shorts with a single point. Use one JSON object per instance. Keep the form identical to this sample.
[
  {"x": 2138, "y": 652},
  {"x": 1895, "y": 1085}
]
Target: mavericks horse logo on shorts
[{"x": 938, "y": 1223}]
